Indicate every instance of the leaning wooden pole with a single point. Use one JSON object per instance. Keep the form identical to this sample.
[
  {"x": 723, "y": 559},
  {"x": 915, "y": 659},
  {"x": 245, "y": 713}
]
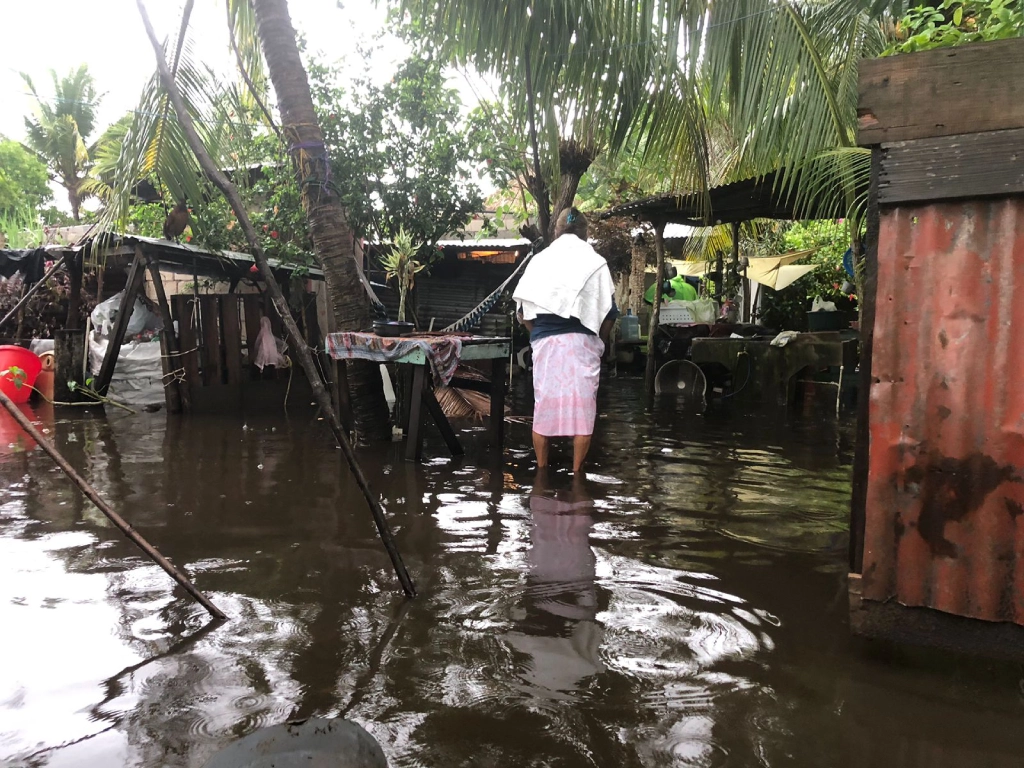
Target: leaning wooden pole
[
  {"x": 125, "y": 309},
  {"x": 298, "y": 344},
  {"x": 179, "y": 397},
  {"x": 659, "y": 249},
  {"x": 115, "y": 518}
]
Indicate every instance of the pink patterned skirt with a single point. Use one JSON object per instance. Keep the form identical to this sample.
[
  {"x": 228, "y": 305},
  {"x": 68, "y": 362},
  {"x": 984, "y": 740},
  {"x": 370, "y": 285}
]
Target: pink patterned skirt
[{"x": 566, "y": 372}]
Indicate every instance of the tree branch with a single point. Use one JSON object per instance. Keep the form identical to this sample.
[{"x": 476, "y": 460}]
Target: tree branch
[{"x": 280, "y": 304}]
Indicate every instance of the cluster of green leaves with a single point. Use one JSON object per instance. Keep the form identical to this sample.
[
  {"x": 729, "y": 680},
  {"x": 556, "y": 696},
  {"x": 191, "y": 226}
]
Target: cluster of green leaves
[
  {"x": 24, "y": 183},
  {"x": 401, "y": 157},
  {"x": 402, "y": 154},
  {"x": 958, "y": 22},
  {"x": 20, "y": 229},
  {"x": 786, "y": 309}
]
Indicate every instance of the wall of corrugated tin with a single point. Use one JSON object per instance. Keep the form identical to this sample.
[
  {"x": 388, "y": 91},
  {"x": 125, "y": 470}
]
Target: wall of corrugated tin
[
  {"x": 453, "y": 293},
  {"x": 945, "y": 500}
]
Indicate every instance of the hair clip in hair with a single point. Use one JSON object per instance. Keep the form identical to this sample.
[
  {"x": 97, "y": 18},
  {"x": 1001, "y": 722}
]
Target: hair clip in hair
[{"x": 570, "y": 218}]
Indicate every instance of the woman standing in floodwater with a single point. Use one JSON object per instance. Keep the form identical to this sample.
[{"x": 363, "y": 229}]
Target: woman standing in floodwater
[{"x": 566, "y": 300}]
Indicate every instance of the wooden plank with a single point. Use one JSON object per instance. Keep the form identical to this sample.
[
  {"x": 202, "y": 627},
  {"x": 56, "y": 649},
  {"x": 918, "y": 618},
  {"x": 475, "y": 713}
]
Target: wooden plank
[
  {"x": 498, "y": 386},
  {"x": 862, "y": 439},
  {"x": 414, "y": 441},
  {"x": 945, "y": 92},
  {"x": 172, "y": 399},
  {"x": 188, "y": 342},
  {"x": 124, "y": 314},
  {"x": 312, "y": 321},
  {"x": 232, "y": 331},
  {"x": 69, "y": 354},
  {"x": 177, "y": 396},
  {"x": 437, "y": 414},
  {"x": 213, "y": 367},
  {"x": 952, "y": 167}
]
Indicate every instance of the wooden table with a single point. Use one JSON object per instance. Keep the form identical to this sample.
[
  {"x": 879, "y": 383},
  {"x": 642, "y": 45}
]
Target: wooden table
[
  {"x": 769, "y": 370},
  {"x": 421, "y": 395}
]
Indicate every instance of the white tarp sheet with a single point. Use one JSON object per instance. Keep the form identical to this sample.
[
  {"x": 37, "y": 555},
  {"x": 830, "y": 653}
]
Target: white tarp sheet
[{"x": 138, "y": 375}]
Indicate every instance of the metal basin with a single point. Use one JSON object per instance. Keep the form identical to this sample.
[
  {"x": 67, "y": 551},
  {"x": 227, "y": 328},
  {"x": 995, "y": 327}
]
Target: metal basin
[{"x": 312, "y": 743}]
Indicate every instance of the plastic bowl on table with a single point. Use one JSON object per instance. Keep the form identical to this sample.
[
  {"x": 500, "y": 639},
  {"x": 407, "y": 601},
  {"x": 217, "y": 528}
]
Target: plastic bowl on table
[{"x": 19, "y": 388}]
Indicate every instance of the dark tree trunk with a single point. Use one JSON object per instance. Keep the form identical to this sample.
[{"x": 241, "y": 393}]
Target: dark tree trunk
[
  {"x": 76, "y": 205},
  {"x": 574, "y": 159},
  {"x": 333, "y": 243}
]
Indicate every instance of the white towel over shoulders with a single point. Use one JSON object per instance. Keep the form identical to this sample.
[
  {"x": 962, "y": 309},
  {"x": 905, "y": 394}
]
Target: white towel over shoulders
[{"x": 569, "y": 279}]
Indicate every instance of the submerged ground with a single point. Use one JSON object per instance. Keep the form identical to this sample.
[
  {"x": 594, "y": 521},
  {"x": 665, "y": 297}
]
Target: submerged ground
[{"x": 686, "y": 607}]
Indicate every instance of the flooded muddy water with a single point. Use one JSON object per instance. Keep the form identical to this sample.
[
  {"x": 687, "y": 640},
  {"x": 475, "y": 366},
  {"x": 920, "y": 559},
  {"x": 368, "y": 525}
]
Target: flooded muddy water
[{"x": 686, "y": 606}]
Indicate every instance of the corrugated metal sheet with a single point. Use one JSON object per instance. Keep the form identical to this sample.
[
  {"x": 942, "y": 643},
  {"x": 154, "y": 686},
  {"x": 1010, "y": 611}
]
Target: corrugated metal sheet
[
  {"x": 474, "y": 244},
  {"x": 445, "y": 299},
  {"x": 945, "y": 501}
]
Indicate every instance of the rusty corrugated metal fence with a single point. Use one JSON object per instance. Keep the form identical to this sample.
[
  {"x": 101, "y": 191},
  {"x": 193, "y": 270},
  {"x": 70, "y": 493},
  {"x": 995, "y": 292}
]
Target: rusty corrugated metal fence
[{"x": 945, "y": 497}]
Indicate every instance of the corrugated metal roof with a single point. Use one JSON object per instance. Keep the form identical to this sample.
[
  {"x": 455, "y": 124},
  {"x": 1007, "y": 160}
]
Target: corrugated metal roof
[
  {"x": 764, "y": 197},
  {"x": 945, "y": 499},
  {"x": 486, "y": 242},
  {"x": 169, "y": 252}
]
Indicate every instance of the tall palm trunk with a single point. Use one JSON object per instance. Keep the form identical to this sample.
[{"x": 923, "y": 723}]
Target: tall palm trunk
[
  {"x": 333, "y": 243},
  {"x": 76, "y": 205}
]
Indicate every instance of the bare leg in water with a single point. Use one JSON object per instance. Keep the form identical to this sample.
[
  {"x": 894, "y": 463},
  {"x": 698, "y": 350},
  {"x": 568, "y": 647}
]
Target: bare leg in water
[
  {"x": 540, "y": 448},
  {"x": 580, "y": 447}
]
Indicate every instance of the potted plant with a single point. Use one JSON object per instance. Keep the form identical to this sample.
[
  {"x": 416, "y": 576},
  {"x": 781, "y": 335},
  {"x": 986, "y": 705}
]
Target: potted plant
[{"x": 401, "y": 264}]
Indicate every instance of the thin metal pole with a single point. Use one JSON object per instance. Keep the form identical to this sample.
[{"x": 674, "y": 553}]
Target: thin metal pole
[
  {"x": 115, "y": 518},
  {"x": 31, "y": 291}
]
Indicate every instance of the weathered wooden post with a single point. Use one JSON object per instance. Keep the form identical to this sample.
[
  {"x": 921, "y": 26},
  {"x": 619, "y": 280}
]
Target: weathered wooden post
[
  {"x": 659, "y": 249},
  {"x": 176, "y": 391},
  {"x": 68, "y": 364}
]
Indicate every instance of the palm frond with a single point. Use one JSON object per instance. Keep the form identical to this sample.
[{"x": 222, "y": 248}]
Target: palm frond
[
  {"x": 783, "y": 75},
  {"x": 245, "y": 44},
  {"x": 154, "y": 145},
  {"x": 594, "y": 65}
]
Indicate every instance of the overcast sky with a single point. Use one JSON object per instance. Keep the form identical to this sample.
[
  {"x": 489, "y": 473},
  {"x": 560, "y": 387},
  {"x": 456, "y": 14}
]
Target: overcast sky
[{"x": 40, "y": 35}]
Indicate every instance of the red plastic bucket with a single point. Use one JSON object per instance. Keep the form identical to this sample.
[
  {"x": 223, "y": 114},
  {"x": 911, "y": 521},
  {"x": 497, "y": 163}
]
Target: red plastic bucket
[{"x": 28, "y": 362}]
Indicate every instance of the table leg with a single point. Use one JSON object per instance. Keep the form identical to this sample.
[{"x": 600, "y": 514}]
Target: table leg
[
  {"x": 405, "y": 376},
  {"x": 437, "y": 414},
  {"x": 498, "y": 387},
  {"x": 414, "y": 441}
]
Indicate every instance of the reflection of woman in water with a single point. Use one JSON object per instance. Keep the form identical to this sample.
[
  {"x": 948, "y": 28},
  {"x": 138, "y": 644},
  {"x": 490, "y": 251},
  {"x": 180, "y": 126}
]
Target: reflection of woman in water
[{"x": 559, "y": 630}]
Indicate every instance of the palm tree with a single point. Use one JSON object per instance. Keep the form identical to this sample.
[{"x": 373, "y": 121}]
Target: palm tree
[
  {"x": 333, "y": 241},
  {"x": 58, "y": 131},
  {"x": 782, "y": 76},
  {"x": 577, "y": 78},
  {"x": 154, "y": 146}
]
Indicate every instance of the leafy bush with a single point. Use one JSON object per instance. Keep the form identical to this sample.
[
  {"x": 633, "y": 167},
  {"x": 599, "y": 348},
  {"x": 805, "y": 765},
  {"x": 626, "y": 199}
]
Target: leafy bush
[
  {"x": 958, "y": 22},
  {"x": 47, "y": 310}
]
